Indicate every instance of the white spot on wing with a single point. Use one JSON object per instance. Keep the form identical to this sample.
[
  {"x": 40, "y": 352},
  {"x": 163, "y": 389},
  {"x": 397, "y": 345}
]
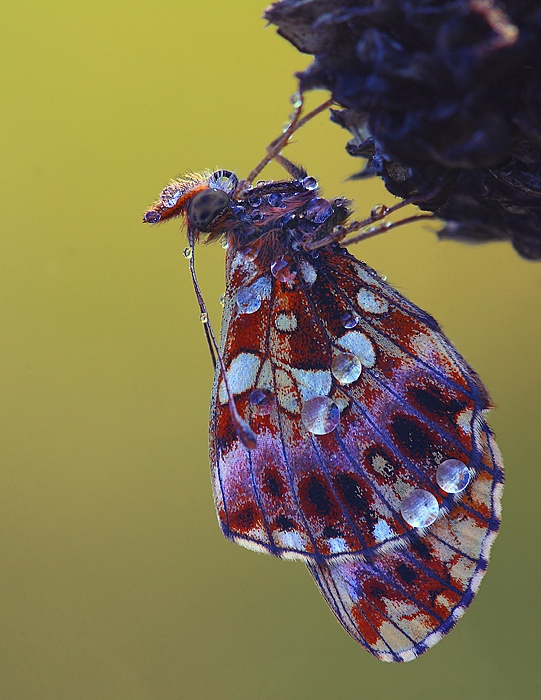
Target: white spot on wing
[
  {"x": 337, "y": 545},
  {"x": 464, "y": 420},
  {"x": 308, "y": 272},
  {"x": 312, "y": 383},
  {"x": 285, "y": 392},
  {"x": 290, "y": 540},
  {"x": 372, "y": 303},
  {"x": 241, "y": 375},
  {"x": 265, "y": 377},
  {"x": 360, "y": 345},
  {"x": 382, "y": 531},
  {"x": 286, "y": 322}
]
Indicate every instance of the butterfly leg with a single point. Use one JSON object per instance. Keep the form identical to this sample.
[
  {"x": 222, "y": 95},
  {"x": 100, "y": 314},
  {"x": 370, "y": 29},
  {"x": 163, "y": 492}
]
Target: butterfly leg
[
  {"x": 296, "y": 171},
  {"x": 275, "y": 147},
  {"x": 366, "y": 227}
]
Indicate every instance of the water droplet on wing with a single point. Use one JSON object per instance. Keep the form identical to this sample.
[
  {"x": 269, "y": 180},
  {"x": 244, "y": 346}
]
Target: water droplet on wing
[
  {"x": 349, "y": 320},
  {"x": 453, "y": 476},
  {"x": 419, "y": 508},
  {"x": 283, "y": 270},
  {"x": 262, "y": 402},
  {"x": 310, "y": 183},
  {"x": 152, "y": 217},
  {"x": 320, "y": 415},
  {"x": 275, "y": 200},
  {"x": 346, "y": 368},
  {"x": 248, "y": 300},
  {"x": 318, "y": 210}
]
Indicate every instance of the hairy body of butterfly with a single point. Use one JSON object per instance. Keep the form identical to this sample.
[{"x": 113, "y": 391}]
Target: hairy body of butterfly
[{"x": 370, "y": 458}]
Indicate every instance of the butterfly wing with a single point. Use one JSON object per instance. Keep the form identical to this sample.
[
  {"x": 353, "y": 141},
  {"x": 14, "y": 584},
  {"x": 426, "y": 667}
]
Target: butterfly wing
[
  {"x": 396, "y": 400},
  {"x": 399, "y": 604},
  {"x": 320, "y": 494}
]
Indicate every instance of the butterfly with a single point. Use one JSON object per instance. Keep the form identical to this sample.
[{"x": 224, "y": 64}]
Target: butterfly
[{"x": 346, "y": 430}]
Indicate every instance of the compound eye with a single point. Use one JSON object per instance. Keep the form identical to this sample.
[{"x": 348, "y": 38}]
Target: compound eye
[{"x": 205, "y": 207}]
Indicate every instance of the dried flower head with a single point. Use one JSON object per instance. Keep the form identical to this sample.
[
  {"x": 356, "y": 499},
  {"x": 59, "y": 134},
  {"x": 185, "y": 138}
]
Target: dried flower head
[{"x": 442, "y": 97}]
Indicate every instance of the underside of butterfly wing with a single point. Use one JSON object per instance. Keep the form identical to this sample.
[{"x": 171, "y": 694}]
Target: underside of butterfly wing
[
  {"x": 396, "y": 401},
  {"x": 400, "y": 604}
]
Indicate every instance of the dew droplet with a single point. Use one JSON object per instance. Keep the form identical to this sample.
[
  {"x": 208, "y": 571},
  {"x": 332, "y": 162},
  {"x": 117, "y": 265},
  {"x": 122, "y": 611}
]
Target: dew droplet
[
  {"x": 378, "y": 211},
  {"x": 349, "y": 320},
  {"x": 453, "y": 476},
  {"x": 285, "y": 126},
  {"x": 204, "y": 317},
  {"x": 224, "y": 244},
  {"x": 249, "y": 252},
  {"x": 283, "y": 270},
  {"x": 310, "y": 183},
  {"x": 419, "y": 508},
  {"x": 288, "y": 217},
  {"x": 346, "y": 368},
  {"x": 248, "y": 300},
  {"x": 224, "y": 180},
  {"x": 187, "y": 252},
  {"x": 152, "y": 217},
  {"x": 275, "y": 200},
  {"x": 320, "y": 415},
  {"x": 255, "y": 201},
  {"x": 222, "y": 299},
  {"x": 318, "y": 210},
  {"x": 262, "y": 402},
  {"x": 296, "y": 99}
]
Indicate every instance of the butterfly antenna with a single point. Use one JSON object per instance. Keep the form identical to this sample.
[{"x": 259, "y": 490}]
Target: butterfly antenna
[
  {"x": 274, "y": 148},
  {"x": 245, "y": 433}
]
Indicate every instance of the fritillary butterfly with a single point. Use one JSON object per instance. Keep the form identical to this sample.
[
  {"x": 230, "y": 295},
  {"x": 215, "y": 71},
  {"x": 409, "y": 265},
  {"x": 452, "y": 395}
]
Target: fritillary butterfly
[{"x": 346, "y": 431}]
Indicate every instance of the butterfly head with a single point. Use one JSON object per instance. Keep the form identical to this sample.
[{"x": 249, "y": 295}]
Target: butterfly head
[
  {"x": 203, "y": 199},
  {"x": 268, "y": 214}
]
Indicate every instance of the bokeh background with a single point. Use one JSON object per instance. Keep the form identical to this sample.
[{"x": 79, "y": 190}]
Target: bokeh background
[{"x": 116, "y": 583}]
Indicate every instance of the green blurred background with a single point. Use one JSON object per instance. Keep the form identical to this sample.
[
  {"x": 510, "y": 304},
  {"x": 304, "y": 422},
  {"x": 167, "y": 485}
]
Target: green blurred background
[{"x": 115, "y": 580}]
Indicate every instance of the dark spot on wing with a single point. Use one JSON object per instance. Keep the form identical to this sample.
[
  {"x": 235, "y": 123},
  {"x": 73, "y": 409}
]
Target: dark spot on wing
[
  {"x": 316, "y": 498},
  {"x": 411, "y": 436}
]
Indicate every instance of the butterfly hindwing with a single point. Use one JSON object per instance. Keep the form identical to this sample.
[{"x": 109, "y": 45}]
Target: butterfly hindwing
[{"x": 399, "y": 604}]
